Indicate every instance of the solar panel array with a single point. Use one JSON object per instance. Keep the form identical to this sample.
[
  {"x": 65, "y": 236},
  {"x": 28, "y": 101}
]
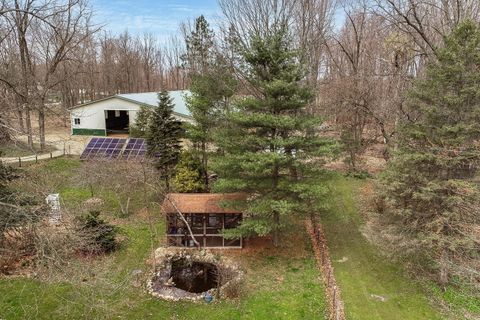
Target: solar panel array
[
  {"x": 114, "y": 148},
  {"x": 135, "y": 149}
]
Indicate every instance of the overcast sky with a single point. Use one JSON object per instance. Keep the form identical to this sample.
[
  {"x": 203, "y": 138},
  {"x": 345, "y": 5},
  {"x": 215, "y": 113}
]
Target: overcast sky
[{"x": 160, "y": 17}]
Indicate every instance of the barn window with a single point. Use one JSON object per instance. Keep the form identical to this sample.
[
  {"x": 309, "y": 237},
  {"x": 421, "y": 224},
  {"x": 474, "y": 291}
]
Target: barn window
[
  {"x": 117, "y": 113},
  {"x": 76, "y": 120}
]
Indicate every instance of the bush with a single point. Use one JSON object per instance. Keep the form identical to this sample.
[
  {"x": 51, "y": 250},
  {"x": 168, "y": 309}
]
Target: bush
[
  {"x": 188, "y": 174},
  {"x": 17, "y": 212},
  {"x": 359, "y": 174},
  {"x": 98, "y": 235}
]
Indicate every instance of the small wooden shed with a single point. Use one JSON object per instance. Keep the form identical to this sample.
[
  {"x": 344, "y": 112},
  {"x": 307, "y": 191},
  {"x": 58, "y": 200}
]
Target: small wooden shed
[{"x": 205, "y": 216}]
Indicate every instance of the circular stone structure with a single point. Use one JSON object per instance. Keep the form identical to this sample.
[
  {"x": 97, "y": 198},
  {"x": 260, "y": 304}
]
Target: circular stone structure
[{"x": 192, "y": 275}]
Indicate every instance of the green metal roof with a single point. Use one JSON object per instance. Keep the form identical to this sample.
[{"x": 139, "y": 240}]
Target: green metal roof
[{"x": 151, "y": 99}]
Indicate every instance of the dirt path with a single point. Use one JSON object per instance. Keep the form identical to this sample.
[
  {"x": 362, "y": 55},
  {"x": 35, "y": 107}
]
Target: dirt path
[
  {"x": 61, "y": 140},
  {"x": 31, "y": 158}
]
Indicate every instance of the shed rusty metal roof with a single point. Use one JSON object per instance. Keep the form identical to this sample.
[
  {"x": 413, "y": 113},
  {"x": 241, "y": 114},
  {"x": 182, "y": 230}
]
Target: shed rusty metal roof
[{"x": 200, "y": 202}]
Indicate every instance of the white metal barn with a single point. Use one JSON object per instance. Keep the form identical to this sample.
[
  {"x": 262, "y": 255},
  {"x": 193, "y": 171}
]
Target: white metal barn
[{"x": 117, "y": 113}]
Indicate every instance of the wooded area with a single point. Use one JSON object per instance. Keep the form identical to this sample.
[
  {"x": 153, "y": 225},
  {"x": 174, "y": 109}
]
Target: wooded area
[{"x": 282, "y": 94}]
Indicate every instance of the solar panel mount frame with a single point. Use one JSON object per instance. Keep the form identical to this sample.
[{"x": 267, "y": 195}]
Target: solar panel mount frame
[{"x": 114, "y": 149}]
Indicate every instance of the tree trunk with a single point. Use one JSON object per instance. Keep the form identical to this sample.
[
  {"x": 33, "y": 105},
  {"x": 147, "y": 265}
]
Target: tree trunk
[
  {"x": 276, "y": 215},
  {"x": 28, "y": 123},
  {"x": 4, "y": 131},
  {"x": 205, "y": 164},
  {"x": 41, "y": 127},
  {"x": 275, "y": 235},
  {"x": 20, "y": 119}
]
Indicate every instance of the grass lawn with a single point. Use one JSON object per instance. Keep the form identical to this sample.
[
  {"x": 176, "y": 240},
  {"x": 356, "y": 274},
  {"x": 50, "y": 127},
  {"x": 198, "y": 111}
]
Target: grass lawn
[
  {"x": 362, "y": 273},
  {"x": 21, "y": 149},
  {"x": 281, "y": 283}
]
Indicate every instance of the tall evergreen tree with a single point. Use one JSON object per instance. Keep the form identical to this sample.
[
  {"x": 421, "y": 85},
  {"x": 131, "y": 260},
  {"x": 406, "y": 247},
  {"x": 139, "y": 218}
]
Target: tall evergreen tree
[
  {"x": 211, "y": 85},
  {"x": 200, "y": 45},
  {"x": 271, "y": 151},
  {"x": 163, "y": 138},
  {"x": 432, "y": 199},
  {"x": 142, "y": 122}
]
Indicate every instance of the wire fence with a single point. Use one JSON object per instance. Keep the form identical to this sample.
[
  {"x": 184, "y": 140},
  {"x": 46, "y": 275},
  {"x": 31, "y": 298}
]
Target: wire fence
[{"x": 332, "y": 291}]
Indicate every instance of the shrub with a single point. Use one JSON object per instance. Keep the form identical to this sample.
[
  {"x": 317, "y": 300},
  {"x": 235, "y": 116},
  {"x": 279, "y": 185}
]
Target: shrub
[
  {"x": 362, "y": 174},
  {"x": 98, "y": 235},
  {"x": 188, "y": 174}
]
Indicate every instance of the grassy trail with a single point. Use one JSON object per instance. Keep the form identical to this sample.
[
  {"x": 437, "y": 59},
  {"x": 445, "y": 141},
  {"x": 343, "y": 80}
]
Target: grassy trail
[{"x": 365, "y": 277}]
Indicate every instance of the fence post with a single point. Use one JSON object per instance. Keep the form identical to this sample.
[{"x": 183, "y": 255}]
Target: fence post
[
  {"x": 19, "y": 161},
  {"x": 51, "y": 155},
  {"x": 36, "y": 158}
]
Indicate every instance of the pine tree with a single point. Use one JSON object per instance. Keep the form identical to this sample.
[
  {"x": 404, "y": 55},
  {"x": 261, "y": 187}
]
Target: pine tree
[
  {"x": 200, "y": 45},
  {"x": 211, "y": 85},
  {"x": 142, "y": 122},
  {"x": 163, "y": 138},
  {"x": 98, "y": 236},
  {"x": 428, "y": 187},
  {"x": 270, "y": 151}
]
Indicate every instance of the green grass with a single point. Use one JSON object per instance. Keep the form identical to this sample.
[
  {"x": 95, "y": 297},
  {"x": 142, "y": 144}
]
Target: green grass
[
  {"x": 280, "y": 283},
  {"x": 63, "y": 165},
  {"x": 21, "y": 149},
  {"x": 64, "y": 175},
  {"x": 365, "y": 273},
  {"x": 460, "y": 299}
]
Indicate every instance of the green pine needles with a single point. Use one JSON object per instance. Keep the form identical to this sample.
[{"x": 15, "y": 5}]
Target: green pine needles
[
  {"x": 211, "y": 86},
  {"x": 142, "y": 122},
  {"x": 268, "y": 149},
  {"x": 163, "y": 138},
  {"x": 429, "y": 187}
]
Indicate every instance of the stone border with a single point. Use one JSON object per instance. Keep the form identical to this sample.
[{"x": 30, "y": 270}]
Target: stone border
[
  {"x": 163, "y": 258},
  {"x": 332, "y": 291}
]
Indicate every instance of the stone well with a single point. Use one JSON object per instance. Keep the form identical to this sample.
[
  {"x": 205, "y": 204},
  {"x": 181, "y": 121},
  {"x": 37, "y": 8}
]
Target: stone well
[{"x": 192, "y": 275}]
